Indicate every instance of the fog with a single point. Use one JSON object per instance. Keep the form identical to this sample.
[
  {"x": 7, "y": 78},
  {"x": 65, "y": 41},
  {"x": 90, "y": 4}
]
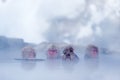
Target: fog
[
  {"x": 75, "y": 22},
  {"x": 106, "y": 69},
  {"x": 61, "y": 21}
]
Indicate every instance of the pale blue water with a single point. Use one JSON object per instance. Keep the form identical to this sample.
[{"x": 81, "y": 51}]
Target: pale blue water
[{"x": 108, "y": 68}]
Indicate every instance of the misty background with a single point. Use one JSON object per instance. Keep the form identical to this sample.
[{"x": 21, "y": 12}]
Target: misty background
[
  {"x": 40, "y": 23},
  {"x": 79, "y": 21}
]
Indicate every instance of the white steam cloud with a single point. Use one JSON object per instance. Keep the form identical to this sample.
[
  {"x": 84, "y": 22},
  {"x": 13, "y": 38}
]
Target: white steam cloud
[
  {"x": 78, "y": 21},
  {"x": 95, "y": 22}
]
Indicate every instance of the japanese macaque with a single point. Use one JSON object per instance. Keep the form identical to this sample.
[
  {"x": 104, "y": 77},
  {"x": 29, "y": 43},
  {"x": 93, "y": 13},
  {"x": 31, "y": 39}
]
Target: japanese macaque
[{"x": 28, "y": 53}]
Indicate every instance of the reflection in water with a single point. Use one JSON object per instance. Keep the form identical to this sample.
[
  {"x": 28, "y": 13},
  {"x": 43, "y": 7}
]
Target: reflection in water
[
  {"x": 69, "y": 65},
  {"x": 53, "y": 64},
  {"x": 92, "y": 64},
  {"x": 88, "y": 71},
  {"x": 28, "y": 65}
]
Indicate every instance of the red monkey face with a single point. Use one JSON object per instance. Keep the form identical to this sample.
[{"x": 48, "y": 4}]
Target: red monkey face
[{"x": 93, "y": 50}]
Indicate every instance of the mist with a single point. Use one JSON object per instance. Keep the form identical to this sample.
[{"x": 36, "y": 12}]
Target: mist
[
  {"x": 82, "y": 22},
  {"x": 94, "y": 22},
  {"x": 39, "y": 23}
]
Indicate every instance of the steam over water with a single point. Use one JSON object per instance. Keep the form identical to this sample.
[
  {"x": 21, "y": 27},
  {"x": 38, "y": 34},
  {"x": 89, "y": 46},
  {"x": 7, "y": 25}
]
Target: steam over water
[
  {"x": 106, "y": 67},
  {"x": 77, "y": 22}
]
